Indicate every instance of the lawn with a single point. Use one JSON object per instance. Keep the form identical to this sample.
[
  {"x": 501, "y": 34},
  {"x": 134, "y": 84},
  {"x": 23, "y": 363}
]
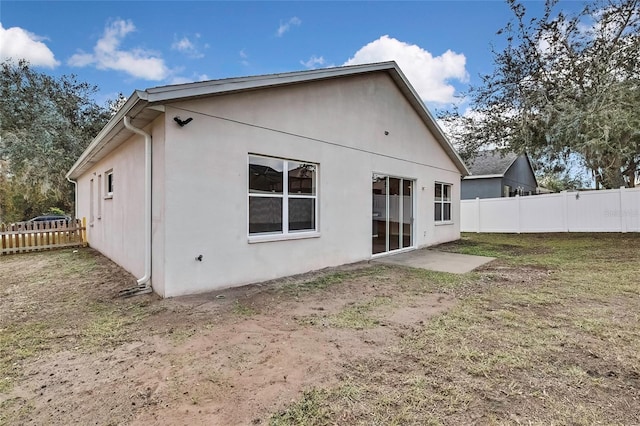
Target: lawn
[{"x": 549, "y": 333}]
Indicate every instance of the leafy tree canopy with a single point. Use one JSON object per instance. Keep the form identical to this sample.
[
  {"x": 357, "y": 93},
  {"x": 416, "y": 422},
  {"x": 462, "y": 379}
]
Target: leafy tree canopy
[
  {"x": 45, "y": 124},
  {"x": 565, "y": 87}
]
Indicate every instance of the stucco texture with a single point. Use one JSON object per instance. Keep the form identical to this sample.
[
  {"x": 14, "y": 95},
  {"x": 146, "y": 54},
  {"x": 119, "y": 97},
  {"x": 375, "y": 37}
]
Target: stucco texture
[{"x": 351, "y": 127}]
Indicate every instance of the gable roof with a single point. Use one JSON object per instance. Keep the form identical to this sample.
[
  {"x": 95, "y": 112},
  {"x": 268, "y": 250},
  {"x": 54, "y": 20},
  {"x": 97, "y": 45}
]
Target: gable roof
[
  {"x": 491, "y": 163},
  {"x": 143, "y": 106}
]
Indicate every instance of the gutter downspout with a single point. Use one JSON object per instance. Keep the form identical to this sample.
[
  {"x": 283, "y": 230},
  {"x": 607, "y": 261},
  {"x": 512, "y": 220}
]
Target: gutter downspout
[
  {"x": 144, "y": 283},
  {"x": 75, "y": 199}
]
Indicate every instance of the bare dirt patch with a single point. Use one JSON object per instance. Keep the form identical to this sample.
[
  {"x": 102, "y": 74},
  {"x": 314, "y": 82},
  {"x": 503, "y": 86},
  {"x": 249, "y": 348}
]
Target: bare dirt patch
[
  {"x": 78, "y": 354},
  {"x": 547, "y": 334}
]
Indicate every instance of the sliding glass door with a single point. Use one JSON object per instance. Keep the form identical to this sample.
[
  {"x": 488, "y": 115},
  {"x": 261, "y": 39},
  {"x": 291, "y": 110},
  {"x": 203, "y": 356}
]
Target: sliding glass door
[{"x": 392, "y": 213}]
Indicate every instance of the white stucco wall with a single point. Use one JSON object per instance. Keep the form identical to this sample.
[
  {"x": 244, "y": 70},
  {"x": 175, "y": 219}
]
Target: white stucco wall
[
  {"x": 339, "y": 124},
  {"x": 118, "y": 232},
  {"x": 158, "y": 206}
]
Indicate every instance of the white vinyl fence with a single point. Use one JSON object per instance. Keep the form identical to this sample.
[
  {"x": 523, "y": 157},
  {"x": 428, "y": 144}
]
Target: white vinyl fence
[{"x": 613, "y": 210}]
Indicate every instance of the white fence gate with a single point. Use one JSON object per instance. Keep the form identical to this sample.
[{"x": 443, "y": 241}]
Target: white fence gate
[{"x": 613, "y": 210}]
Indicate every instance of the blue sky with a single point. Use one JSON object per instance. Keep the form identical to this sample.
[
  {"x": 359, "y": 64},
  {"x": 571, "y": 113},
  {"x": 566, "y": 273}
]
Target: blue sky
[{"x": 442, "y": 46}]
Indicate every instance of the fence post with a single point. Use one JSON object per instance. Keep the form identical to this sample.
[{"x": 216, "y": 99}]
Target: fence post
[
  {"x": 3, "y": 244},
  {"x": 84, "y": 231},
  {"x": 519, "y": 212},
  {"x": 623, "y": 227},
  {"x": 565, "y": 210},
  {"x": 478, "y": 215}
]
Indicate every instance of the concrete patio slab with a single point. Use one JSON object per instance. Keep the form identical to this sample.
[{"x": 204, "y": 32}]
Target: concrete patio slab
[{"x": 435, "y": 260}]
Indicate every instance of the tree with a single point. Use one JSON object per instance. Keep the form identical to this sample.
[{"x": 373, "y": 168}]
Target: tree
[
  {"x": 45, "y": 124},
  {"x": 114, "y": 105},
  {"x": 565, "y": 87}
]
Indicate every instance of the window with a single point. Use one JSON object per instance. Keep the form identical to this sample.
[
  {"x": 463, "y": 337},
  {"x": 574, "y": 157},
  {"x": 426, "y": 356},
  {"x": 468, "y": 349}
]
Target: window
[
  {"x": 99, "y": 197},
  {"x": 279, "y": 202},
  {"x": 91, "y": 201},
  {"x": 442, "y": 211},
  {"x": 108, "y": 178}
]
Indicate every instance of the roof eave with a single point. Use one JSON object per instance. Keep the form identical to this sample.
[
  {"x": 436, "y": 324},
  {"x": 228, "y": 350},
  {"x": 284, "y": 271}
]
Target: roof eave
[
  {"x": 532, "y": 170},
  {"x": 510, "y": 164},
  {"x": 469, "y": 177},
  {"x": 134, "y": 104},
  {"x": 160, "y": 95},
  {"x": 226, "y": 86},
  {"x": 429, "y": 120}
]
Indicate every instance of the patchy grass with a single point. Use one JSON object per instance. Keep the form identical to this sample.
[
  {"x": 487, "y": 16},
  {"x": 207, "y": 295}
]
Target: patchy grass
[
  {"x": 326, "y": 281},
  {"x": 547, "y": 334},
  {"x": 66, "y": 315},
  {"x": 108, "y": 324},
  {"x": 24, "y": 410},
  {"x": 311, "y": 409},
  {"x": 316, "y": 284},
  {"x": 355, "y": 316},
  {"x": 359, "y": 315},
  {"x": 243, "y": 310}
]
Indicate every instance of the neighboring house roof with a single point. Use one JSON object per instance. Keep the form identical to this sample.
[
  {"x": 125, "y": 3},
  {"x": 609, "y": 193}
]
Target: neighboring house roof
[
  {"x": 143, "y": 106},
  {"x": 489, "y": 164}
]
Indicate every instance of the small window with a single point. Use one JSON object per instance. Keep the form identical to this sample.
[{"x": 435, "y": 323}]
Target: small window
[
  {"x": 99, "y": 197},
  {"x": 282, "y": 196},
  {"x": 442, "y": 211},
  {"x": 91, "y": 201},
  {"x": 108, "y": 190}
]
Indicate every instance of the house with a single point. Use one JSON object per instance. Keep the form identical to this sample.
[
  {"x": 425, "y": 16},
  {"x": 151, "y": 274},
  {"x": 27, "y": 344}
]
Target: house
[
  {"x": 496, "y": 174},
  {"x": 202, "y": 186}
]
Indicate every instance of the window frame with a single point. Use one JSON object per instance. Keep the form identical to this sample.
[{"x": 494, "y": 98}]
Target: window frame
[
  {"x": 285, "y": 196},
  {"x": 108, "y": 184},
  {"x": 442, "y": 202}
]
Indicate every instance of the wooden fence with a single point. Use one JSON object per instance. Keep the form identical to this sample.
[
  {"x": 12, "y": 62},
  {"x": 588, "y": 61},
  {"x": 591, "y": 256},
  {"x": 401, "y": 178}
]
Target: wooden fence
[{"x": 24, "y": 237}]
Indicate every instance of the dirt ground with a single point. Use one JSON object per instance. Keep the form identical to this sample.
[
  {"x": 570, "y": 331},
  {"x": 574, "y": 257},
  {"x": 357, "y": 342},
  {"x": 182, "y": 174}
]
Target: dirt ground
[
  {"x": 547, "y": 334},
  {"x": 229, "y": 357}
]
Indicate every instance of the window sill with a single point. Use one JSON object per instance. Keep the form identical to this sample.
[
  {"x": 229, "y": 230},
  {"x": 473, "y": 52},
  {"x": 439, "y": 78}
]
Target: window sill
[
  {"x": 280, "y": 237},
  {"x": 108, "y": 197},
  {"x": 447, "y": 222}
]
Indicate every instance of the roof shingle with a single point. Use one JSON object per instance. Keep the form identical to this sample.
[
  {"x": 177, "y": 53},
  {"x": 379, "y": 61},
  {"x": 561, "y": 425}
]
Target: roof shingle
[{"x": 492, "y": 162}]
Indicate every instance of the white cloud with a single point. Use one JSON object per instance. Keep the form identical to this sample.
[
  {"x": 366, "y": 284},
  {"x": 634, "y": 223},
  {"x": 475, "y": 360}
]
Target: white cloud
[
  {"x": 455, "y": 126},
  {"x": 244, "y": 57},
  {"x": 313, "y": 62},
  {"x": 107, "y": 55},
  {"x": 429, "y": 75},
  {"x": 18, "y": 43},
  {"x": 188, "y": 47},
  {"x": 284, "y": 27},
  {"x": 184, "y": 44}
]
